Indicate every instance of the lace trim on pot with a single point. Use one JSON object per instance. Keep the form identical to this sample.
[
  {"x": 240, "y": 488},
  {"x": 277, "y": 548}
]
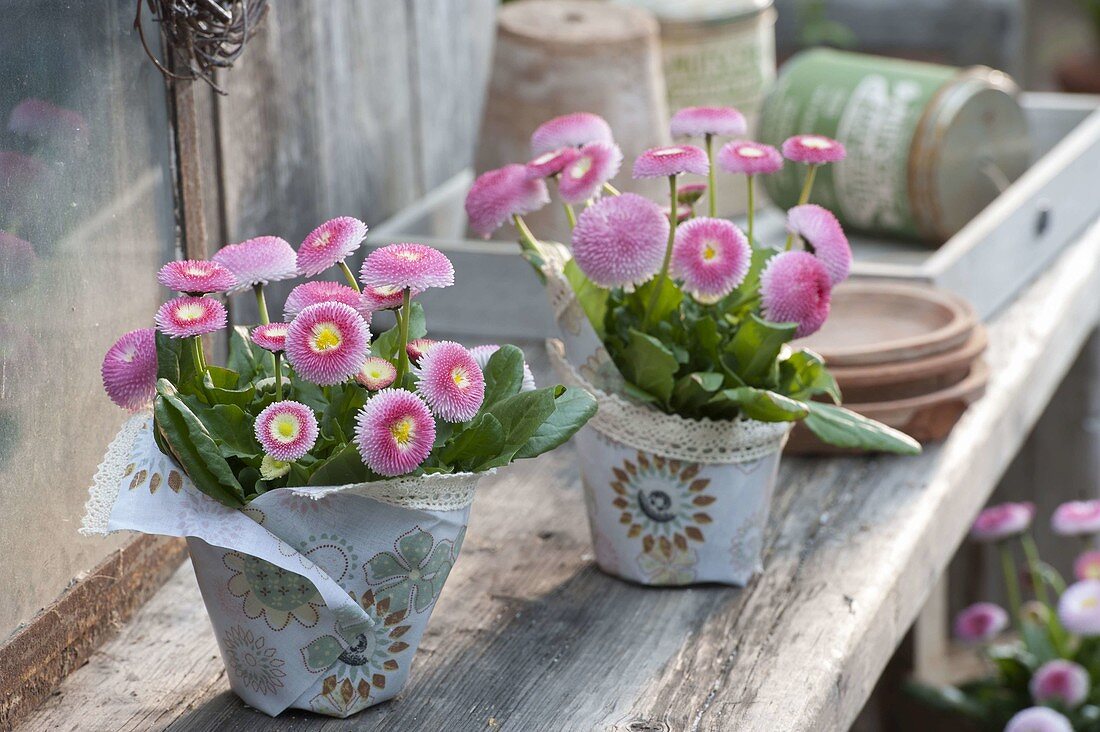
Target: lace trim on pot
[
  {"x": 644, "y": 428},
  {"x": 558, "y": 289},
  {"x": 108, "y": 477},
  {"x": 444, "y": 492}
]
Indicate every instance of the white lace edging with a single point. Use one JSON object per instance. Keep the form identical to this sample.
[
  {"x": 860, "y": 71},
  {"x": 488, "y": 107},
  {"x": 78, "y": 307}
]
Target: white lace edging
[
  {"x": 439, "y": 492},
  {"x": 644, "y": 428},
  {"x": 109, "y": 475}
]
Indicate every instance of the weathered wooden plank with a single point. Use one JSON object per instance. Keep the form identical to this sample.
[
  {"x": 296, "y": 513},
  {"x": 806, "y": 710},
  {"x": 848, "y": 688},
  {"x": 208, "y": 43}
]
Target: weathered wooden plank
[{"x": 529, "y": 636}]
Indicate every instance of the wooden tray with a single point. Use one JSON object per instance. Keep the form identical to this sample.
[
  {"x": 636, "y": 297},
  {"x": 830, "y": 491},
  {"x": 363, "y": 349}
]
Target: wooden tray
[
  {"x": 874, "y": 323},
  {"x": 927, "y": 418}
]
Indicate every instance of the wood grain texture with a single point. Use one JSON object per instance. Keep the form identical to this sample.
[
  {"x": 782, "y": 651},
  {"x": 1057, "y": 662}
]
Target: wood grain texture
[{"x": 530, "y": 636}]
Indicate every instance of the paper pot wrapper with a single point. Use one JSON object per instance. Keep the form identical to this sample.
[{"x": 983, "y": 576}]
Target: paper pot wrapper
[
  {"x": 671, "y": 501},
  {"x": 318, "y": 596}
]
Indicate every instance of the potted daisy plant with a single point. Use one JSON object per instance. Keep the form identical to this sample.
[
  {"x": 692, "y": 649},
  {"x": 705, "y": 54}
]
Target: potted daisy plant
[
  {"x": 323, "y": 477},
  {"x": 685, "y": 329}
]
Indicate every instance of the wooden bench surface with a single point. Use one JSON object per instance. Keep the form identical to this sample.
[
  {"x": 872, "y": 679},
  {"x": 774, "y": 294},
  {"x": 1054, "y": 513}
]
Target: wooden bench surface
[{"x": 529, "y": 635}]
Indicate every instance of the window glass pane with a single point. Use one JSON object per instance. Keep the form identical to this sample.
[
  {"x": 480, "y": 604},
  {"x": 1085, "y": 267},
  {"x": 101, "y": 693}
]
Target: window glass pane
[{"x": 86, "y": 218}]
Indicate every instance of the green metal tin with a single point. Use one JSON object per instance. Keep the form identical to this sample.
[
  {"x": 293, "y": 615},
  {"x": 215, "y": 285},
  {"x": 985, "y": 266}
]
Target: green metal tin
[{"x": 929, "y": 146}]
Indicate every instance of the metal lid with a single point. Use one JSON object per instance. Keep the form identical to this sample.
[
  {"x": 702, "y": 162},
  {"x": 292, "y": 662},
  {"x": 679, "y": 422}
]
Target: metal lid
[
  {"x": 701, "y": 11},
  {"x": 971, "y": 144}
]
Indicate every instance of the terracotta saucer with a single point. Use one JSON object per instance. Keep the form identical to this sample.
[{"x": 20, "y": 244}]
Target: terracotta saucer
[
  {"x": 926, "y": 418},
  {"x": 904, "y": 379},
  {"x": 877, "y": 322}
]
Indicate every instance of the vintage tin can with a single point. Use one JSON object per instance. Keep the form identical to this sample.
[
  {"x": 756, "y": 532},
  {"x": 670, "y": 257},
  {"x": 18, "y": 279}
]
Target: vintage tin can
[
  {"x": 717, "y": 53},
  {"x": 929, "y": 146}
]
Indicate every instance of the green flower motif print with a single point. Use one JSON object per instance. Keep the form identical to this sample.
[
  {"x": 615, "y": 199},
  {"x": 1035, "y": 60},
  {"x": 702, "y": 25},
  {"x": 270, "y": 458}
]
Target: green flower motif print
[
  {"x": 271, "y": 592},
  {"x": 251, "y": 660},
  {"x": 366, "y": 656},
  {"x": 412, "y": 576},
  {"x": 661, "y": 501}
]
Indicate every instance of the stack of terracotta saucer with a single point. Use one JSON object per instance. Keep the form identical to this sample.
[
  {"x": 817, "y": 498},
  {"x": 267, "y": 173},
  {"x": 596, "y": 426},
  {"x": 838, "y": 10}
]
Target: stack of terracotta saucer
[{"x": 907, "y": 356}]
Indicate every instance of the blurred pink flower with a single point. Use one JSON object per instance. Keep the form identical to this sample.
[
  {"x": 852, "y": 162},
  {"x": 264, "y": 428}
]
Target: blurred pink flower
[
  {"x": 1060, "y": 681},
  {"x": 40, "y": 120},
  {"x": 1087, "y": 565},
  {"x": 1002, "y": 521},
  {"x": 17, "y": 262},
  {"x": 1038, "y": 719},
  {"x": 376, "y": 373},
  {"x": 1079, "y": 608},
  {"x": 663, "y": 162},
  {"x": 980, "y": 622},
  {"x": 745, "y": 157},
  {"x": 570, "y": 130},
  {"x": 620, "y": 240},
  {"x": 499, "y": 194},
  {"x": 822, "y": 234},
  {"x": 795, "y": 288},
  {"x": 596, "y": 164},
  {"x": 551, "y": 163},
  {"x": 700, "y": 121},
  {"x": 271, "y": 337},
  {"x": 1076, "y": 518},
  {"x": 813, "y": 149},
  {"x": 196, "y": 277}
]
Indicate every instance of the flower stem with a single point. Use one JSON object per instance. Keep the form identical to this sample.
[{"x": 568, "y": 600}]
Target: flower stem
[
  {"x": 752, "y": 208},
  {"x": 803, "y": 197},
  {"x": 403, "y": 329},
  {"x": 571, "y": 215},
  {"x": 712, "y": 180},
  {"x": 1032, "y": 554},
  {"x": 1012, "y": 584},
  {"x": 668, "y": 255},
  {"x": 279, "y": 377},
  {"x": 261, "y": 304},
  {"x": 349, "y": 276},
  {"x": 611, "y": 189},
  {"x": 196, "y": 355}
]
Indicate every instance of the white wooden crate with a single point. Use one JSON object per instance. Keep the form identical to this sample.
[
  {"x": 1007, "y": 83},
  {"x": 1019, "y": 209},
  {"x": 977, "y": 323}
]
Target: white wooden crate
[{"x": 1006, "y": 246}]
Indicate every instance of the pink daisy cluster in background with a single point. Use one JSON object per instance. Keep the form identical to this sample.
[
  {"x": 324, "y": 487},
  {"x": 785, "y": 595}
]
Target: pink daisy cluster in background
[{"x": 981, "y": 622}]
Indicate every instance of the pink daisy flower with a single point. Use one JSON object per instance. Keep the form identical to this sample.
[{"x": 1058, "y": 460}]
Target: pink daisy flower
[
  {"x": 418, "y": 347},
  {"x": 690, "y": 193},
  {"x": 1038, "y": 719},
  {"x": 327, "y": 343},
  {"x": 745, "y": 157},
  {"x": 407, "y": 266},
  {"x": 813, "y": 149},
  {"x": 394, "y": 432},
  {"x": 1079, "y": 608},
  {"x": 551, "y": 163},
  {"x": 376, "y": 373},
  {"x": 383, "y": 297},
  {"x": 794, "y": 288},
  {"x": 1060, "y": 681},
  {"x": 1002, "y": 521},
  {"x": 597, "y": 163},
  {"x": 329, "y": 243},
  {"x": 824, "y": 237},
  {"x": 1076, "y": 518},
  {"x": 287, "y": 430},
  {"x": 271, "y": 337},
  {"x": 187, "y": 316},
  {"x": 570, "y": 130},
  {"x": 130, "y": 369},
  {"x": 711, "y": 257},
  {"x": 980, "y": 623},
  {"x": 258, "y": 261},
  {"x": 196, "y": 277},
  {"x": 451, "y": 382},
  {"x": 700, "y": 121},
  {"x": 662, "y": 162},
  {"x": 311, "y": 293},
  {"x": 482, "y": 354},
  {"x": 17, "y": 262},
  {"x": 499, "y": 194},
  {"x": 620, "y": 240},
  {"x": 1087, "y": 566}
]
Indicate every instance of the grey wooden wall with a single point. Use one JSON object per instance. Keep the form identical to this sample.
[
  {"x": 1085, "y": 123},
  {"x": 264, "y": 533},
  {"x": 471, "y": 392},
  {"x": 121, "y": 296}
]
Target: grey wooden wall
[{"x": 342, "y": 107}]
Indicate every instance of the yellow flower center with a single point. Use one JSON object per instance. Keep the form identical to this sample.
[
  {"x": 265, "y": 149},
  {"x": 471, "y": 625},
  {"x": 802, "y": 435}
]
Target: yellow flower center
[
  {"x": 326, "y": 336},
  {"x": 1089, "y": 603},
  {"x": 322, "y": 240},
  {"x": 195, "y": 271},
  {"x": 1092, "y": 571},
  {"x": 407, "y": 255},
  {"x": 284, "y": 428},
  {"x": 816, "y": 142},
  {"x": 710, "y": 251},
  {"x": 460, "y": 377},
  {"x": 580, "y": 167},
  {"x": 750, "y": 152},
  {"x": 189, "y": 312},
  {"x": 403, "y": 431}
]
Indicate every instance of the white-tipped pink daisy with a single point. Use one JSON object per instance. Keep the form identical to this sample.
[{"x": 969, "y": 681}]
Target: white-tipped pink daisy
[
  {"x": 596, "y": 163},
  {"x": 499, "y": 194},
  {"x": 551, "y": 163},
  {"x": 795, "y": 288},
  {"x": 663, "y": 162},
  {"x": 311, "y": 293},
  {"x": 330, "y": 243},
  {"x": 570, "y": 130},
  {"x": 418, "y": 347},
  {"x": 196, "y": 277},
  {"x": 451, "y": 382},
  {"x": 620, "y": 240},
  {"x": 482, "y": 354},
  {"x": 701, "y": 121},
  {"x": 287, "y": 430},
  {"x": 130, "y": 369},
  {"x": 1061, "y": 682},
  {"x": 1003, "y": 521},
  {"x": 824, "y": 238},
  {"x": 271, "y": 337},
  {"x": 383, "y": 297},
  {"x": 187, "y": 316},
  {"x": 327, "y": 343},
  {"x": 394, "y": 432},
  {"x": 1076, "y": 518},
  {"x": 744, "y": 157},
  {"x": 1079, "y": 608},
  {"x": 407, "y": 266},
  {"x": 258, "y": 261},
  {"x": 980, "y": 622},
  {"x": 376, "y": 373},
  {"x": 711, "y": 257},
  {"x": 813, "y": 149}
]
